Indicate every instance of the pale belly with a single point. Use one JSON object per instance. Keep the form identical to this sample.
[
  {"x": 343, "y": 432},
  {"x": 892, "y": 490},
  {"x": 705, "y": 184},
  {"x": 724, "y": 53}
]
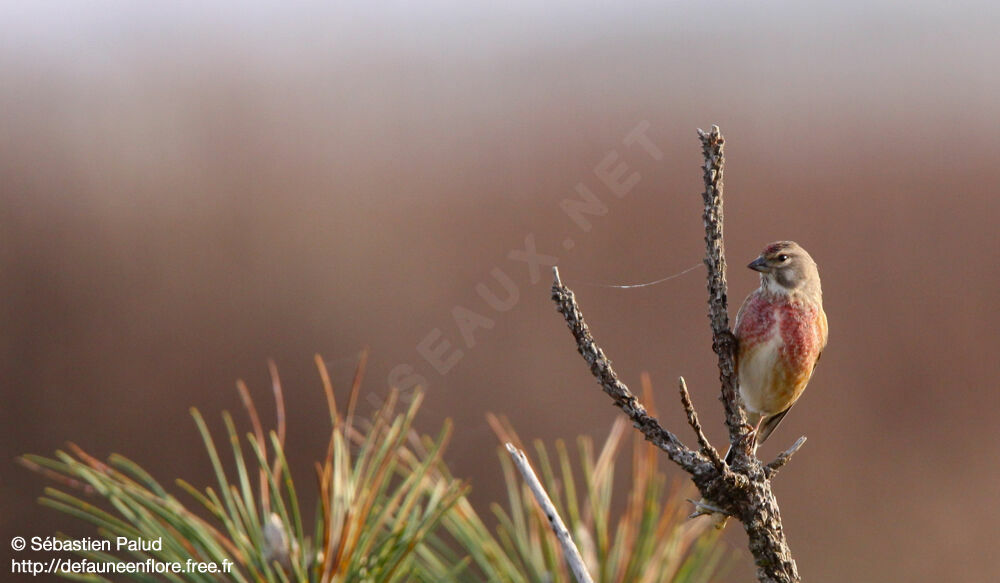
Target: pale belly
[
  {"x": 761, "y": 380},
  {"x": 779, "y": 345}
]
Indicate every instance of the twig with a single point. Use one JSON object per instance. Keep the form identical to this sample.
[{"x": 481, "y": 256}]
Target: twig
[
  {"x": 783, "y": 458},
  {"x": 692, "y": 416},
  {"x": 569, "y": 547},
  {"x": 600, "y": 367},
  {"x": 723, "y": 341}
]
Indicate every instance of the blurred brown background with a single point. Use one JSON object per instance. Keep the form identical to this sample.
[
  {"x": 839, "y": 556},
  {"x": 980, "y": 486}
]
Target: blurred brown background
[{"x": 190, "y": 190}]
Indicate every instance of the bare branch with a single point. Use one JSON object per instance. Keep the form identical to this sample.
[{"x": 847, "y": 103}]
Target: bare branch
[
  {"x": 600, "y": 367},
  {"x": 742, "y": 489},
  {"x": 692, "y": 417},
  {"x": 723, "y": 341},
  {"x": 570, "y": 551},
  {"x": 783, "y": 458}
]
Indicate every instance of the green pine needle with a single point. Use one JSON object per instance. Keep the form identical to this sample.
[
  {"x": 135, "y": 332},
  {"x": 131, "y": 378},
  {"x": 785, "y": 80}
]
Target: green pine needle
[{"x": 389, "y": 509}]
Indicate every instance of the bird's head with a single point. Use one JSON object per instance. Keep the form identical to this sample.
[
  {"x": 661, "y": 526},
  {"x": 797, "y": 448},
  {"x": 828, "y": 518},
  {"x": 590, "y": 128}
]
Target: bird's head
[{"x": 787, "y": 268}]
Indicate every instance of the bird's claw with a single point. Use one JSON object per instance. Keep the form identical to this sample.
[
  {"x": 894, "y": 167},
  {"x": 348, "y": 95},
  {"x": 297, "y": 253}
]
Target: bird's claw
[{"x": 748, "y": 436}]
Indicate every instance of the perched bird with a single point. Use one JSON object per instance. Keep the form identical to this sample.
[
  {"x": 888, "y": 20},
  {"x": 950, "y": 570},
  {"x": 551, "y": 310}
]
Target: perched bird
[{"x": 781, "y": 331}]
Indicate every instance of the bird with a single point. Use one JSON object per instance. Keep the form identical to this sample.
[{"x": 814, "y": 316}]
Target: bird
[{"x": 781, "y": 330}]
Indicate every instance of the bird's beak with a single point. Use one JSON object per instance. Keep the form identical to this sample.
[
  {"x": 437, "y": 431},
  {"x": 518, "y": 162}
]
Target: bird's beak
[{"x": 758, "y": 264}]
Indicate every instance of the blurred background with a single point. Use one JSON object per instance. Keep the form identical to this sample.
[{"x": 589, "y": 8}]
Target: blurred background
[{"x": 188, "y": 190}]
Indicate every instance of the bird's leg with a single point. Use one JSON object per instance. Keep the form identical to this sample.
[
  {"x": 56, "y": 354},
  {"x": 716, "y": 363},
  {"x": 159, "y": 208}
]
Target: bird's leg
[
  {"x": 753, "y": 437},
  {"x": 750, "y": 435}
]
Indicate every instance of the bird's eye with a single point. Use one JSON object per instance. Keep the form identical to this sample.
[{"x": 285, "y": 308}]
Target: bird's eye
[{"x": 782, "y": 257}]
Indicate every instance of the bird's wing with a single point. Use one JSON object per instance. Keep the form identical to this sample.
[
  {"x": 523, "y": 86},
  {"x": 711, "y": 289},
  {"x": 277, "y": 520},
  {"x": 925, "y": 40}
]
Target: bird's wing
[
  {"x": 736, "y": 326},
  {"x": 769, "y": 424},
  {"x": 824, "y": 332}
]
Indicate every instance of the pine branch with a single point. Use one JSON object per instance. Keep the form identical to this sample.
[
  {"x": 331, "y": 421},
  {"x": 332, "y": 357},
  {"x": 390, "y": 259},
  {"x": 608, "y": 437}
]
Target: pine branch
[{"x": 742, "y": 490}]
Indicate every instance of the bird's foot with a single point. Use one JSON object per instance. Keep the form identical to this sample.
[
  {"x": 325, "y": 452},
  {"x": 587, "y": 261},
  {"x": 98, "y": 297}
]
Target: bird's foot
[{"x": 750, "y": 436}]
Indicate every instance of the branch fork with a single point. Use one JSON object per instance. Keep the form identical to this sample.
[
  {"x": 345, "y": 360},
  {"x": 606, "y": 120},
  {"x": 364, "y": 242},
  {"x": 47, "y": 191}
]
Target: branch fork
[{"x": 741, "y": 489}]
